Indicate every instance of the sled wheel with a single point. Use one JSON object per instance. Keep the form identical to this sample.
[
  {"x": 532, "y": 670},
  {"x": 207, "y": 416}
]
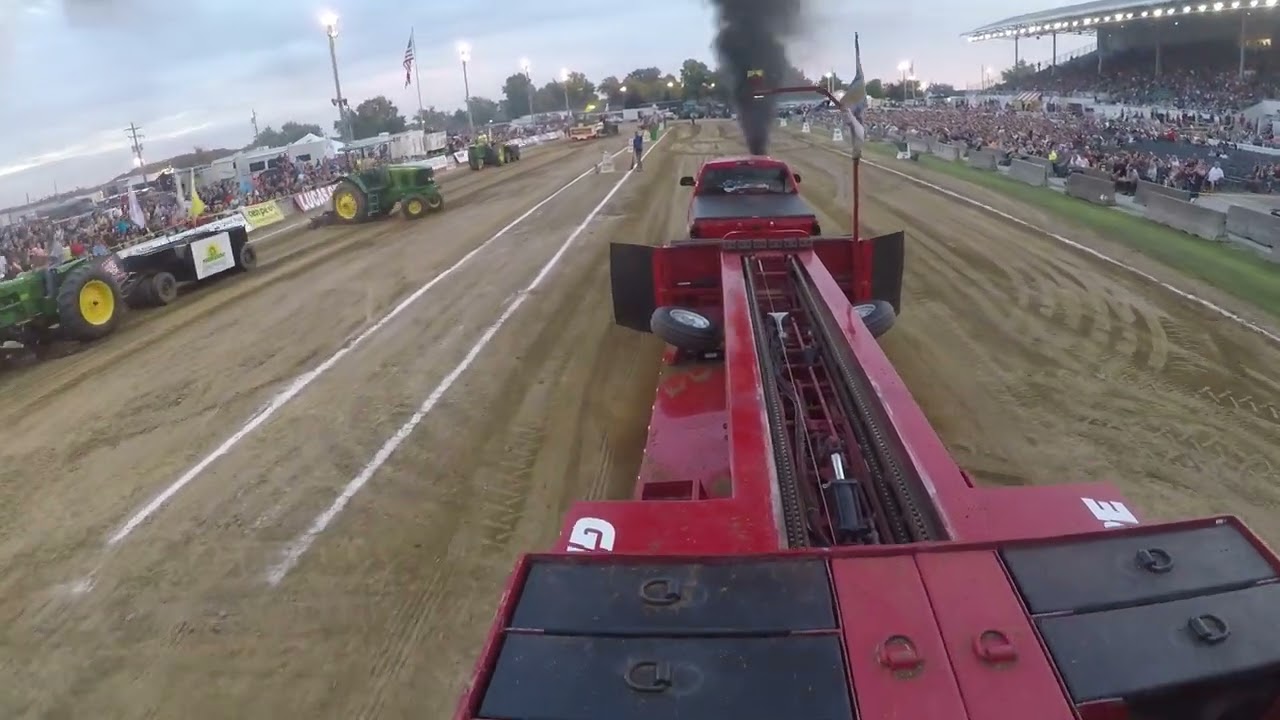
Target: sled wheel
[
  {"x": 877, "y": 315},
  {"x": 89, "y": 304},
  {"x": 247, "y": 259},
  {"x": 348, "y": 203},
  {"x": 685, "y": 329},
  {"x": 164, "y": 288}
]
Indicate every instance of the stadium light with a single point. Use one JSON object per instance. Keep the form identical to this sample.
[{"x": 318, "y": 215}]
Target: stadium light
[
  {"x": 527, "y": 68},
  {"x": 464, "y": 54},
  {"x": 564, "y": 83},
  {"x": 329, "y": 21}
]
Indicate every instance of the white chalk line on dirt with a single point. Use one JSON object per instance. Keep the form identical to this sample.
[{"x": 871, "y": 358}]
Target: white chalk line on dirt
[
  {"x": 1202, "y": 302},
  {"x": 300, "y": 383},
  {"x": 294, "y": 551}
]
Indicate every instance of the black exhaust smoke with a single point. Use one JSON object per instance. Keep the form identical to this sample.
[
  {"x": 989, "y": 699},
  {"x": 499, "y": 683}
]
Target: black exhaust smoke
[{"x": 751, "y": 38}]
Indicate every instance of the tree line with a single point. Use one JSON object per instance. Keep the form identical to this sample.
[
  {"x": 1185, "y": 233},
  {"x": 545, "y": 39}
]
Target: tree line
[{"x": 641, "y": 87}]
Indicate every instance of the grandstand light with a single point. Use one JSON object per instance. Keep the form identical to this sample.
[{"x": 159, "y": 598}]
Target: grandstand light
[
  {"x": 1202, "y": 8},
  {"x": 1218, "y": 6},
  {"x": 329, "y": 21},
  {"x": 1186, "y": 8},
  {"x": 1144, "y": 13},
  {"x": 1271, "y": 3}
]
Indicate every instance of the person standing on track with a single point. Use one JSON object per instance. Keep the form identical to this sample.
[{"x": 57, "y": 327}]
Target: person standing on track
[{"x": 637, "y": 148}]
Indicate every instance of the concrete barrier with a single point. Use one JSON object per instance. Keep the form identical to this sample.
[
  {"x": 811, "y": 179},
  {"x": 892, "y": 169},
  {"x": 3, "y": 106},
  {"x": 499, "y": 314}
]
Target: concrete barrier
[
  {"x": 918, "y": 146},
  {"x": 1029, "y": 172},
  {"x": 1091, "y": 189},
  {"x": 982, "y": 159},
  {"x": 946, "y": 151},
  {"x": 1262, "y": 228},
  {"x": 1093, "y": 172},
  {"x": 1187, "y": 216},
  {"x": 1148, "y": 189},
  {"x": 1039, "y": 161}
]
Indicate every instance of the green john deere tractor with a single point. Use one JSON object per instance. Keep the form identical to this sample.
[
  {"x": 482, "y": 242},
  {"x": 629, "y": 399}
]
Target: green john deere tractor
[
  {"x": 374, "y": 193},
  {"x": 482, "y": 153},
  {"x": 79, "y": 300}
]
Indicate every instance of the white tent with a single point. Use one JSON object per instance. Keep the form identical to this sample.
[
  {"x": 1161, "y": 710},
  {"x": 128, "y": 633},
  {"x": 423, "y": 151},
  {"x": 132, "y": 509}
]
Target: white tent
[{"x": 311, "y": 148}]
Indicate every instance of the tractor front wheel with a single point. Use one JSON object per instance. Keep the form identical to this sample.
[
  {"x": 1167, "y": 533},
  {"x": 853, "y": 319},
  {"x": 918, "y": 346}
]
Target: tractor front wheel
[
  {"x": 89, "y": 304},
  {"x": 435, "y": 202},
  {"x": 414, "y": 207},
  {"x": 349, "y": 203}
]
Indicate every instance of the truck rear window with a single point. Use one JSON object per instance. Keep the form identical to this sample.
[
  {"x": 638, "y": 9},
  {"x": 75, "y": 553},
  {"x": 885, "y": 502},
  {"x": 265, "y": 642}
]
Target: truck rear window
[{"x": 741, "y": 179}]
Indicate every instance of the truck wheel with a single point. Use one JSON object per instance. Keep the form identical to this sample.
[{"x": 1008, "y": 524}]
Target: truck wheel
[
  {"x": 164, "y": 288},
  {"x": 247, "y": 259},
  {"x": 349, "y": 203},
  {"x": 89, "y": 304},
  {"x": 435, "y": 203},
  {"x": 685, "y": 329},
  {"x": 413, "y": 207},
  {"x": 877, "y": 315}
]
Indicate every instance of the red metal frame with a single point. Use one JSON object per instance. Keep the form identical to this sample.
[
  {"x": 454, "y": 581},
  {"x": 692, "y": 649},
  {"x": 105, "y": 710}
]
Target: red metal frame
[
  {"x": 708, "y": 490},
  {"x": 947, "y": 597}
]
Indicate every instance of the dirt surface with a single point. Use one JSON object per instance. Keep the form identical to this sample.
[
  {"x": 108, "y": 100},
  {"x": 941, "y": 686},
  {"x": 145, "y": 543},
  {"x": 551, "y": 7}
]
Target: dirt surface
[{"x": 1037, "y": 365}]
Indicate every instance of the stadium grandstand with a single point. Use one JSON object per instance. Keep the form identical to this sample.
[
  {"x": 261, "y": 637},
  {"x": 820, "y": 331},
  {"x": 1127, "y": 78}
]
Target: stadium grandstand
[
  {"x": 1149, "y": 50},
  {"x": 1182, "y": 92}
]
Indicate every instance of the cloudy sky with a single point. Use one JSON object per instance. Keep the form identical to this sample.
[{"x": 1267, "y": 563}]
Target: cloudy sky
[{"x": 75, "y": 73}]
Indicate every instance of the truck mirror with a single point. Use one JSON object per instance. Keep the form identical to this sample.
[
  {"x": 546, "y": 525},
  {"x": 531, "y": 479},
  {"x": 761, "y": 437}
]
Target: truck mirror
[
  {"x": 797, "y": 177},
  {"x": 686, "y": 181}
]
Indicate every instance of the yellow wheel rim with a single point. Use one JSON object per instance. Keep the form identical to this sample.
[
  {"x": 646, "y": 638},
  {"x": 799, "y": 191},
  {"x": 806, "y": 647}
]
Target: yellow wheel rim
[
  {"x": 415, "y": 207},
  {"x": 97, "y": 303},
  {"x": 345, "y": 205}
]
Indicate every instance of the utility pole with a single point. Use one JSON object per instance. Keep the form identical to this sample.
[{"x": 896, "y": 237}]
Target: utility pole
[
  {"x": 254, "y": 120},
  {"x": 136, "y": 137}
]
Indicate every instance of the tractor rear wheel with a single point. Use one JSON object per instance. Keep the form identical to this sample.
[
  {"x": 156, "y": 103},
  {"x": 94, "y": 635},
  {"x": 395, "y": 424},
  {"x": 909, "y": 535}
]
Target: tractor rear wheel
[
  {"x": 164, "y": 288},
  {"x": 89, "y": 304},
  {"x": 413, "y": 206},
  {"x": 349, "y": 203}
]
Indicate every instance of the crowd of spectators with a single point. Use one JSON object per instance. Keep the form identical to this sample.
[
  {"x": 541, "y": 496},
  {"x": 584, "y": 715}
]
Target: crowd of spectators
[
  {"x": 1204, "y": 77},
  {"x": 35, "y": 242},
  {"x": 1178, "y": 150}
]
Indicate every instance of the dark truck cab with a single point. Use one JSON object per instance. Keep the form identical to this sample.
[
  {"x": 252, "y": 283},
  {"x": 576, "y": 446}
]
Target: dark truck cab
[{"x": 751, "y": 196}]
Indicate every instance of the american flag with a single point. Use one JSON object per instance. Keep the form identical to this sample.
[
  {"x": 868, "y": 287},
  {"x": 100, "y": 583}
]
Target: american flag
[{"x": 408, "y": 62}]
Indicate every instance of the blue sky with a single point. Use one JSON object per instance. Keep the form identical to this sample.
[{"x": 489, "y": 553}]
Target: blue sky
[{"x": 77, "y": 72}]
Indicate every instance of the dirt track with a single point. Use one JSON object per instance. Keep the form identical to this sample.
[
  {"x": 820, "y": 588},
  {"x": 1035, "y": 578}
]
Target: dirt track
[{"x": 1037, "y": 365}]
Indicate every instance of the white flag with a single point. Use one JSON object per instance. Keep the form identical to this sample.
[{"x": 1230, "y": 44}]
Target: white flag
[{"x": 135, "y": 211}]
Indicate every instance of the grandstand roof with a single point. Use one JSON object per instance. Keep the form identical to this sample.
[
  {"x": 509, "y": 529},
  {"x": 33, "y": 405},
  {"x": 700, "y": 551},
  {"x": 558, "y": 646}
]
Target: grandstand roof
[{"x": 1087, "y": 17}]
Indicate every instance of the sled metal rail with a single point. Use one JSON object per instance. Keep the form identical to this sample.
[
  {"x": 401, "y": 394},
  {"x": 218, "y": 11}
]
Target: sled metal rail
[{"x": 841, "y": 480}]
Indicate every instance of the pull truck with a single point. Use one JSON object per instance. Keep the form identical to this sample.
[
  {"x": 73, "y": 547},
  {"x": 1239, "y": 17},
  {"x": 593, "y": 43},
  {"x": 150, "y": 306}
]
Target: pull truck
[{"x": 801, "y": 545}]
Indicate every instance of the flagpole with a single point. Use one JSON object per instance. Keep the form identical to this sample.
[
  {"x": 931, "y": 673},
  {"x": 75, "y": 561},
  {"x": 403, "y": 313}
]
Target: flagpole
[{"x": 417, "y": 80}]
